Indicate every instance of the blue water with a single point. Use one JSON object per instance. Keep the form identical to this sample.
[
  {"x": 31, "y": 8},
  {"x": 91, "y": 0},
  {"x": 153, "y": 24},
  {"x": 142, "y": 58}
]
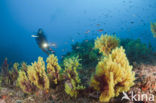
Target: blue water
[{"x": 66, "y": 21}]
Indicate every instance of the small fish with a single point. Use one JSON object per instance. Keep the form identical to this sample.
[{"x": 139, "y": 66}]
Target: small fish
[
  {"x": 72, "y": 40},
  {"x": 78, "y": 33},
  {"x": 134, "y": 15},
  {"x": 86, "y": 40},
  {"x": 66, "y": 42},
  {"x": 63, "y": 50},
  {"x": 34, "y": 36},
  {"x": 53, "y": 44},
  {"x": 144, "y": 24},
  {"x": 97, "y": 24},
  {"x": 132, "y": 22},
  {"x": 100, "y": 30},
  {"x": 87, "y": 31},
  {"x": 77, "y": 47}
]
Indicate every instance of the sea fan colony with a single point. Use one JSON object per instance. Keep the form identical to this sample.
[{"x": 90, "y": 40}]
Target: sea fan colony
[
  {"x": 25, "y": 84},
  {"x": 53, "y": 69},
  {"x": 35, "y": 76},
  {"x": 113, "y": 73},
  {"x": 72, "y": 80}
]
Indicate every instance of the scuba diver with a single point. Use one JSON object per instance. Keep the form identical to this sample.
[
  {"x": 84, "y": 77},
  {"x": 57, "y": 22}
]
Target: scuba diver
[{"x": 41, "y": 41}]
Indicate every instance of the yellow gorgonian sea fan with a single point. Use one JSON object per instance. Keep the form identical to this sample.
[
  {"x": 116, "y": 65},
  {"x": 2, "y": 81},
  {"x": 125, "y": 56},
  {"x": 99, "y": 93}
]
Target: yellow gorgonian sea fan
[
  {"x": 113, "y": 75},
  {"x": 13, "y": 74},
  {"x": 37, "y": 75},
  {"x": 25, "y": 83},
  {"x": 72, "y": 88},
  {"x": 106, "y": 43},
  {"x": 53, "y": 68},
  {"x": 72, "y": 80},
  {"x": 72, "y": 62},
  {"x": 153, "y": 29},
  {"x": 127, "y": 76},
  {"x": 23, "y": 66},
  {"x": 15, "y": 66}
]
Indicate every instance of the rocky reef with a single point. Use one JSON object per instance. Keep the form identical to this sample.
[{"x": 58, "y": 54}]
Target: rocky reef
[{"x": 100, "y": 74}]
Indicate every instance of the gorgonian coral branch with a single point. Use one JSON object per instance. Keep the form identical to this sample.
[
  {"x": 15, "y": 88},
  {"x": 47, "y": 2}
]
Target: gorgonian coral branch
[
  {"x": 72, "y": 80},
  {"x": 53, "y": 68},
  {"x": 37, "y": 75},
  {"x": 25, "y": 83},
  {"x": 113, "y": 75},
  {"x": 106, "y": 43}
]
